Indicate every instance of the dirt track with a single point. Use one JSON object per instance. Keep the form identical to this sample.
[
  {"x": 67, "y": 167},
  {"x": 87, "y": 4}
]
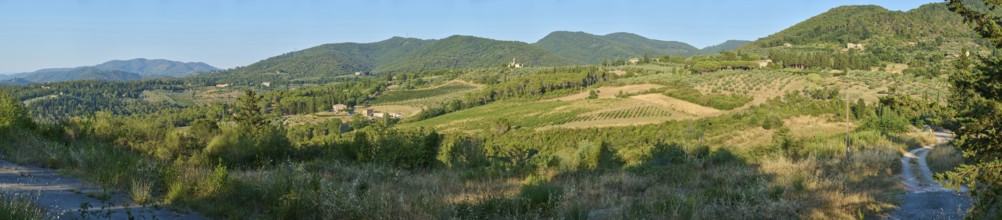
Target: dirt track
[
  {"x": 925, "y": 198},
  {"x": 65, "y": 196}
]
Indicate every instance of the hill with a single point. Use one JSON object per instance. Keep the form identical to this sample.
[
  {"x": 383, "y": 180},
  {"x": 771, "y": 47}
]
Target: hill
[
  {"x": 79, "y": 73},
  {"x": 589, "y": 48},
  {"x": 870, "y": 23},
  {"x": 336, "y": 59},
  {"x": 156, "y": 67},
  {"x": 467, "y": 51},
  {"x": 725, "y": 46},
  {"x": 399, "y": 54},
  {"x": 115, "y": 70}
]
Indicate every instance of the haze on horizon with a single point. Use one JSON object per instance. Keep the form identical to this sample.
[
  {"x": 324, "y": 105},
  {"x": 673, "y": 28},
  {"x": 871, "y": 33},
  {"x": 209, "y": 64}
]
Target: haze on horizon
[{"x": 226, "y": 34}]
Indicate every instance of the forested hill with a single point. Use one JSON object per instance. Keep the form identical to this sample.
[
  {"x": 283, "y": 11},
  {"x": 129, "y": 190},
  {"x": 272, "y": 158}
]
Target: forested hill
[
  {"x": 401, "y": 55},
  {"x": 157, "y": 67},
  {"x": 467, "y": 51},
  {"x": 725, "y": 46},
  {"x": 336, "y": 59},
  {"x": 870, "y": 23},
  {"x": 590, "y": 48}
]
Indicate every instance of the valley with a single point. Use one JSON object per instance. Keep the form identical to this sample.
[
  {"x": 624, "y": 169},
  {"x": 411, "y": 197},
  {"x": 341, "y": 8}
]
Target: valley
[{"x": 821, "y": 120}]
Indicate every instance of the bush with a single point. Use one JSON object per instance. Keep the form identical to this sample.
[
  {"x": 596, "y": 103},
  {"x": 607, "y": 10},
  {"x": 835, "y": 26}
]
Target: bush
[
  {"x": 596, "y": 155},
  {"x": 241, "y": 147}
]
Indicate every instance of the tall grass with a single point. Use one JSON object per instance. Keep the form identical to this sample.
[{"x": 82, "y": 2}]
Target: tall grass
[{"x": 18, "y": 206}]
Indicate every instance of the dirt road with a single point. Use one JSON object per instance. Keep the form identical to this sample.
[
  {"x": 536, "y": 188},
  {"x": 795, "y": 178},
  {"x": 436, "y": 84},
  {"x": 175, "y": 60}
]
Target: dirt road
[
  {"x": 925, "y": 198},
  {"x": 67, "y": 196}
]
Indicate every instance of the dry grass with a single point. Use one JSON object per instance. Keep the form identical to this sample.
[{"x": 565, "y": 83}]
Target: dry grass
[
  {"x": 607, "y": 92},
  {"x": 944, "y": 158},
  {"x": 815, "y": 126}
]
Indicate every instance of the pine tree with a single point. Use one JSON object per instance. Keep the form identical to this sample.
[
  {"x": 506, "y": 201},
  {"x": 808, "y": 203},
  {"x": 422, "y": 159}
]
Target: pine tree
[{"x": 977, "y": 97}]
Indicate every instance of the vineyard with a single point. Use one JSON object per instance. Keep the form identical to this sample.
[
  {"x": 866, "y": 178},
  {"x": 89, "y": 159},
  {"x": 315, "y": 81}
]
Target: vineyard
[{"x": 426, "y": 97}]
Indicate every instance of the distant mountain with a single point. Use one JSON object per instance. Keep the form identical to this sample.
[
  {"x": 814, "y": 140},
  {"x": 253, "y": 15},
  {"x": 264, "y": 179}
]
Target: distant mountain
[
  {"x": 80, "y": 73},
  {"x": 115, "y": 70},
  {"x": 725, "y": 46},
  {"x": 590, "y": 48},
  {"x": 157, "y": 67},
  {"x": 14, "y": 81},
  {"x": 856, "y": 24}
]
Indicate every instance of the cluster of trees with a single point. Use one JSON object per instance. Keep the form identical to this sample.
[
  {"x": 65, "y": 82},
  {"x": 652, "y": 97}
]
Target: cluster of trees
[
  {"x": 323, "y": 98},
  {"x": 822, "y": 60},
  {"x": 533, "y": 85},
  {"x": 710, "y": 66}
]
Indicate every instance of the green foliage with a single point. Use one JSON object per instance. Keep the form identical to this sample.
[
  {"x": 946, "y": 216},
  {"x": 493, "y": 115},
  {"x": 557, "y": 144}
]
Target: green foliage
[
  {"x": 854, "y": 24},
  {"x": 977, "y": 97},
  {"x": 13, "y": 115},
  {"x": 822, "y": 59},
  {"x": 718, "y": 101},
  {"x": 593, "y": 156},
  {"x": 406, "y": 95},
  {"x": 253, "y": 140},
  {"x": 710, "y": 66},
  {"x": 403, "y": 149}
]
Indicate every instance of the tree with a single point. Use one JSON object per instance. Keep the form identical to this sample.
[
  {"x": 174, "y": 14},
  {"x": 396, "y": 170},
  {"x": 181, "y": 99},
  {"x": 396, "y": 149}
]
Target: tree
[
  {"x": 248, "y": 112},
  {"x": 12, "y": 113},
  {"x": 977, "y": 97}
]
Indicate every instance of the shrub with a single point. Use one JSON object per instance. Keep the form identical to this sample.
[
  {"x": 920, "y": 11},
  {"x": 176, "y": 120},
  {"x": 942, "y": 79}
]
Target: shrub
[
  {"x": 596, "y": 155},
  {"x": 463, "y": 152},
  {"x": 262, "y": 145}
]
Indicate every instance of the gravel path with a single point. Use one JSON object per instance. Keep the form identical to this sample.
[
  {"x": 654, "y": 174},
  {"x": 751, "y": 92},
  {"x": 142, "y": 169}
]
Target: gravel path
[
  {"x": 925, "y": 198},
  {"x": 66, "y": 196}
]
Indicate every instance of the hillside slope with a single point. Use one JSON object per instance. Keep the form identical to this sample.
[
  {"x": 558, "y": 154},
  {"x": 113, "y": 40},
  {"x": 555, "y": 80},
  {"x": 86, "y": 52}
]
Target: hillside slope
[
  {"x": 467, "y": 51},
  {"x": 589, "y": 48},
  {"x": 855, "y": 24},
  {"x": 156, "y": 67},
  {"x": 725, "y": 46}
]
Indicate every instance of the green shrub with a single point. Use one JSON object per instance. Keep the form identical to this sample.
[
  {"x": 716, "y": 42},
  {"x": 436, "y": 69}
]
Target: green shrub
[{"x": 262, "y": 145}]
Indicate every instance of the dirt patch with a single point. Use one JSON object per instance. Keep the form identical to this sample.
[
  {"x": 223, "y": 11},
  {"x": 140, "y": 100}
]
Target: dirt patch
[
  {"x": 896, "y": 68},
  {"x": 749, "y": 138},
  {"x": 607, "y": 92},
  {"x": 618, "y": 72}
]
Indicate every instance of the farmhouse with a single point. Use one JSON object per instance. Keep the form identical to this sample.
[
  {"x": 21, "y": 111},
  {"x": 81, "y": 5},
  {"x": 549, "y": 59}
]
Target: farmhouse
[
  {"x": 266, "y": 84},
  {"x": 222, "y": 85},
  {"x": 634, "y": 60}
]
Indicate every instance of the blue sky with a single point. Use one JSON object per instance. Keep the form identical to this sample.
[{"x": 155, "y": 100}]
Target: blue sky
[{"x": 228, "y": 33}]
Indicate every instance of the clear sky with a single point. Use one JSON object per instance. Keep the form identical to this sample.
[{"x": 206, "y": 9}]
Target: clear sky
[{"x": 38, "y": 34}]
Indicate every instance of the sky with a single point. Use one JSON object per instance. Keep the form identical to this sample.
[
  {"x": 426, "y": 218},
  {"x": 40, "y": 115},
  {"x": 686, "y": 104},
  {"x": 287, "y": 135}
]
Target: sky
[{"x": 230, "y": 33}]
